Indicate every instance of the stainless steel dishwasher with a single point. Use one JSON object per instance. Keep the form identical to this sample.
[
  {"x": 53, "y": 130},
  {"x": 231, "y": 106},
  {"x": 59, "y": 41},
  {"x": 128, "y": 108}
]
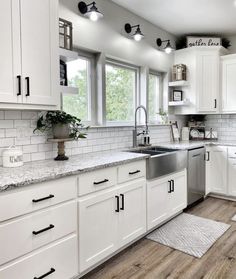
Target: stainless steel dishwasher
[{"x": 196, "y": 175}]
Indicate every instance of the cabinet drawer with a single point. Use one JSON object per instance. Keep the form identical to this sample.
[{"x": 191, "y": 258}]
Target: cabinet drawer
[
  {"x": 59, "y": 259},
  {"x": 232, "y": 152},
  {"x": 18, "y": 202},
  {"x": 23, "y": 235},
  {"x": 131, "y": 171},
  {"x": 96, "y": 180}
]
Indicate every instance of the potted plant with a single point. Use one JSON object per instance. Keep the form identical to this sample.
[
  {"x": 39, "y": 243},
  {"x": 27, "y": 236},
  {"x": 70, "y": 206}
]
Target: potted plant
[{"x": 62, "y": 125}]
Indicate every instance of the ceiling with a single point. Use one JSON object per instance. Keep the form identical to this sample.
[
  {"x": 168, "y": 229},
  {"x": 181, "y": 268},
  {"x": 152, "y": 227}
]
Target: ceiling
[{"x": 187, "y": 16}]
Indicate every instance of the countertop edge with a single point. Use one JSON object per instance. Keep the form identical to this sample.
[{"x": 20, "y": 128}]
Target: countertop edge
[{"x": 26, "y": 182}]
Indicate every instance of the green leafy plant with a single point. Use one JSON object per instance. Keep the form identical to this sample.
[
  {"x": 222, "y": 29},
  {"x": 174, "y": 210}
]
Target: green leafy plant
[{"x": 49, "y": 119}]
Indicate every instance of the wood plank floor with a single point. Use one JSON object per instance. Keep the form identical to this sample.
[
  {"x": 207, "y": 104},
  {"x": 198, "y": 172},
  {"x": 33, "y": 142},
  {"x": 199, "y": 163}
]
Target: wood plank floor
[{"x": 149, "y": 260}]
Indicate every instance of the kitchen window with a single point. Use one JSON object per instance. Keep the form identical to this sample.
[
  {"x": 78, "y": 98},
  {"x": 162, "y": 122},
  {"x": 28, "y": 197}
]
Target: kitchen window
[
  {"x": 79, "y": 75},
  {"x": 154, "y": 95},
  {"x": 121, "y": 92}
]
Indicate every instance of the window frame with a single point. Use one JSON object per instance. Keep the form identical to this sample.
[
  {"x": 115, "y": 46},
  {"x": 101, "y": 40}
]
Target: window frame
[
  {"x": 161, "y": 88},
  {"x": 129, "y": 66},
  {"x": 91, "y": 58}
]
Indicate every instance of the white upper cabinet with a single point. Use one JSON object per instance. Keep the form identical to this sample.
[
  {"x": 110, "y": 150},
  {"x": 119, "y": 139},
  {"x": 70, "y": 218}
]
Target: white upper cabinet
[
  {"x": 228, "y": 63},
  {"x": 203, "y": 76},
  {"x": 208, "y": 78},
  {"x": 29, "y": 56},
  {"x": 10, "y": 51}
]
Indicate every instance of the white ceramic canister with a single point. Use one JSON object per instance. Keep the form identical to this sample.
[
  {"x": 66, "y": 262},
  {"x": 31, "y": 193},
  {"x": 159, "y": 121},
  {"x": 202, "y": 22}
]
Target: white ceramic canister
[{"x": 12, "y": 157}]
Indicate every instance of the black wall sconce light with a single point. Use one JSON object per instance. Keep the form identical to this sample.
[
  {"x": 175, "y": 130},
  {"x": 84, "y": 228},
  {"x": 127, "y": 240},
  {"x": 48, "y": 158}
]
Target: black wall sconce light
[
  {"x": 168, "y": 48},
  {"x": 138, "y": 35},
  {"x": 90, "y": 10}
]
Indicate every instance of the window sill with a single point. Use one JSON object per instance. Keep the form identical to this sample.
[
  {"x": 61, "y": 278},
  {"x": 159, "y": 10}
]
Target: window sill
[{"x": 127, "y": 126}]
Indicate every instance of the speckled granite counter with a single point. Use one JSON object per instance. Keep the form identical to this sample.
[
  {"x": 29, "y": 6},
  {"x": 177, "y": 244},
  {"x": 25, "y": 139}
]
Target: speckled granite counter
[
  {"x": 40, "y": 171},
  {"x": 185, "y": 145}
]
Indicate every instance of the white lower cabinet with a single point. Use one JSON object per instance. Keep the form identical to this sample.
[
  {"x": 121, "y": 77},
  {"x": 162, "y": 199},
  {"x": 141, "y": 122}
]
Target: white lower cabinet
[
  {"x": 97, "y": 227},
  {"x": 232, "y": 171},
  {"x": 110, "y": 219},
  {"x": 36, "y": 230},
  {"x": 166, "y": 196},
  {"x": 58, "y": 261},
  {"x": 216, "y": 169},
  {"x": 132, "y": 217},
  {"x": 179, "y": 193},
  {"x": 158, "y": 199}
]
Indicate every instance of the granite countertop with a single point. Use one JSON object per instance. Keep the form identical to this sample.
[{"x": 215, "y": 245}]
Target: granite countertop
[
  {"x": 39, "y": 171},
  {"x": 186, "y": 145}
]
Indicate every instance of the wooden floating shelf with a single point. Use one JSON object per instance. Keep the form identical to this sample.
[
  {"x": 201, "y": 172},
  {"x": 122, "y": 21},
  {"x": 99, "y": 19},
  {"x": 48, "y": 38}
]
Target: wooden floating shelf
[
  {"x": 67, "y": 55},
  {"x": 178, "y": 103},
  {"x": 178, "y": 83},
  {"x": 69, "y": 90}
]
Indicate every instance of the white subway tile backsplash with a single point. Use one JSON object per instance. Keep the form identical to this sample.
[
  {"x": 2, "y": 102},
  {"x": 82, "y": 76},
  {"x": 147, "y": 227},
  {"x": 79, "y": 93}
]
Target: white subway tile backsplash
[
  {"x": 7, "y": 124},
  {"x": 16, "y": 127},
  {"x": 1, "y": 114},
  {"x": 12, "y": 114},
  {"x": 22, "y": 141},
  {"x": 31, "y": 115},
  {"x": 38, "y": 139},
  {"x": 26, "y": 157},
  {"x": 6, "y": 142},
  {"x": 30, "y": 148},
  {"x": 38, "y": 156},
  {"x": 225, "y": 125},
  {"x": 2, "y": 133},
  {"x": 22, "y": 123},
  {"x": 45, "y": 147},
  {"x": 9, "y": 133}
]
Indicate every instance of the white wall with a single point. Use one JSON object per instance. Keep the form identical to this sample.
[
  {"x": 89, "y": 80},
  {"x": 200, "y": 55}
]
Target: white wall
[{"x": 107, "y": 35}]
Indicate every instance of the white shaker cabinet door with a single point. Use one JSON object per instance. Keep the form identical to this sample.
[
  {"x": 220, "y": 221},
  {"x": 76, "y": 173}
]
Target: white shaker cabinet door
[
  {"x": 98, "y": 224},
  {"x": 229, "y": 83},
  {"x": 10, "y": 68},
  {"x": 179, "y": 192},
  {"x": 158, "y": 201},
  {"x": 208, "y": 81},
  {"x": 216, "y": 169},
  {"x": 39, "y": 47},
  {"x": 132, "y": 217}
]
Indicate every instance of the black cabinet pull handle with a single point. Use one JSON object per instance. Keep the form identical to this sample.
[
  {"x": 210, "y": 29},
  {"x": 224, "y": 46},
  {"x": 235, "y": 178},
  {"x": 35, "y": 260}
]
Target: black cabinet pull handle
[
  {"x": 100, "y": 182},
  {"x": 173, "y": 185},
  {"x": 208, "y": 156},
  {"x": 43, "y": 230},
  {"x": 122, "y": 202},
  {"x": 46, "y": 274},
  {"x": 134, "y": 172},
  {"x": 169, "y": 181},
  {"x": 19, "y": 85},
  {"x": 27, "y": 86},
  {"x": 215, "y": 103},
  {"x": 117, "y": 203},
  {"x": 43, "y": 199}
]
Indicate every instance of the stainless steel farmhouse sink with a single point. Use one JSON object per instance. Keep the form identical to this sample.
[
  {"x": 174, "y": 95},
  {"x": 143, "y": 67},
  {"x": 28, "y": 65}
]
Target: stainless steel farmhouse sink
[{"x": 163, "y": 161}]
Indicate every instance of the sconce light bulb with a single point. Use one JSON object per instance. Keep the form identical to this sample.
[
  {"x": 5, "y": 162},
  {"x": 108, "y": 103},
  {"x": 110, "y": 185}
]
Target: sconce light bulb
[
  {"x": 168, "y": 50},
  {"x": 93, "y": 16},
  {"x": 138, "y": 37}
]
